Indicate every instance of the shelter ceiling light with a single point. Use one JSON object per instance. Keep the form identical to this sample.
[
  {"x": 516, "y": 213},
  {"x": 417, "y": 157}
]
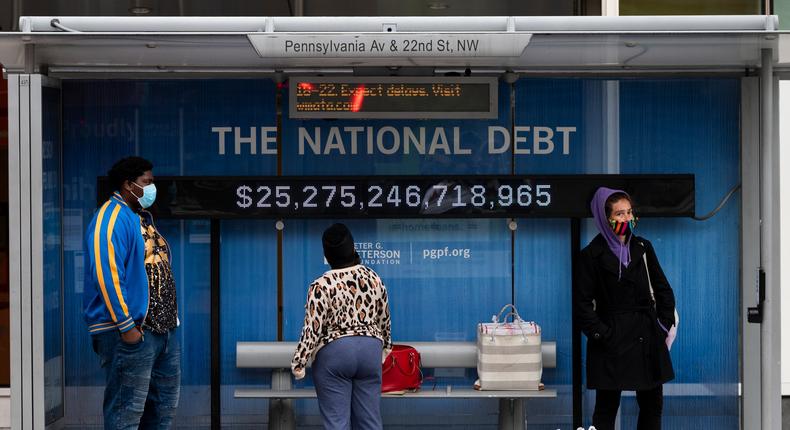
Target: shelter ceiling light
[
  {"x": 138, "y": 8},
  {"x": 437, "y": 5},
  {"x": 510, "y": 77}
]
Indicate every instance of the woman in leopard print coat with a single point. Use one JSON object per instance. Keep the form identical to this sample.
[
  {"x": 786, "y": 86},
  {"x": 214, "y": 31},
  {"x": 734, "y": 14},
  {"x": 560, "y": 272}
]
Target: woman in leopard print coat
[{"x": 346, "y": 333}]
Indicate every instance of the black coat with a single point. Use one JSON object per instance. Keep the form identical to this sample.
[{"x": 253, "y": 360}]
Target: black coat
[{"x": 626, "y": 347}]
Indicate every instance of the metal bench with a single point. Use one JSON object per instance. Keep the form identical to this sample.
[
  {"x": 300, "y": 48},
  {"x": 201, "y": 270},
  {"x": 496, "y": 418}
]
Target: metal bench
[{"x": 277, "y": 356}]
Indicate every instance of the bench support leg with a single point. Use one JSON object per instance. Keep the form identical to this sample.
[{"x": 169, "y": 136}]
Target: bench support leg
[
  {"x": 281, "y": 411},
  {"x": 511, "y": 414},
  {"x": 281, "y": 415}
]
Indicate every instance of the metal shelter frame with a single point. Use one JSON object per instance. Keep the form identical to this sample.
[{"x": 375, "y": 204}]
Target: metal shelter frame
[{"x": 749, "y": 47}]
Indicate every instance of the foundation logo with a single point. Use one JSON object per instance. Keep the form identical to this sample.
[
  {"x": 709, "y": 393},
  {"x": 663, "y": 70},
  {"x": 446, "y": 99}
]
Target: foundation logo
[{"x": 376, "y": 254}]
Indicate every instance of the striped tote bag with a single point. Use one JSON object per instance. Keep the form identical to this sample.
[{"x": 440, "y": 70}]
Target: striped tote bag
[{"x": 509, "y": 353}]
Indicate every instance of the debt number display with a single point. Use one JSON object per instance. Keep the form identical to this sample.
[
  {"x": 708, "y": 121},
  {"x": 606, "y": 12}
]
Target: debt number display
[{"x": 435, "y": 197}]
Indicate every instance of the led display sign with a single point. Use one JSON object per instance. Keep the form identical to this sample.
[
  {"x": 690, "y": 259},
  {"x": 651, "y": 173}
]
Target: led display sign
[{"x": 389, "y": 97}]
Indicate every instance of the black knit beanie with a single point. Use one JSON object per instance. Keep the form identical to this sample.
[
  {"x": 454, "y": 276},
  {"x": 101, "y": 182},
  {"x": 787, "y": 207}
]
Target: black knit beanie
[{"x": 339, "y": 247}]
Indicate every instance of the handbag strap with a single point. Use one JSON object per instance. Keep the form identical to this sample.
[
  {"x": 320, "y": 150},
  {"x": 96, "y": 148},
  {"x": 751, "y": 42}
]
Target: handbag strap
[
  {"x": 516, "y": 320},
  {"x": 502, "y": 311},
  {"x": 650, "y": 284},
  {"x": 647, "y": 270},
  {"x": 415, "y": 364},
  {"x": 414, "y": 359}
]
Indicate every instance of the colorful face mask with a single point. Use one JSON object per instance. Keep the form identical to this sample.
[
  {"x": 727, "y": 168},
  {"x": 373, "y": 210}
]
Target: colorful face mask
[{"x": 623, "y": 228}]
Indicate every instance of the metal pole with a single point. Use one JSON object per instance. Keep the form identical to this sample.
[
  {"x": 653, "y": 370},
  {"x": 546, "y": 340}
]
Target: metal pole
[
  {"x": 769, "y": 249},
  {"x": 36, "y": 229},
  {"x": 25, "y": 268},
  {"x": 16, "y": 12},
  {"x": 750, "y": 251},
  {"x": 18, "y": 385},
  {"x": 576, "y": 333},
  {"x": 216, "y": 376},
  {"x": 30, "y": 58}
]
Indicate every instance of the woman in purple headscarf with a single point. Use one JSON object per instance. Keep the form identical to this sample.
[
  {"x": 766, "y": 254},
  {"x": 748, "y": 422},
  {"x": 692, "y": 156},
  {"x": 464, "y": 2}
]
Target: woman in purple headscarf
[{"x": 624, "y": 324}]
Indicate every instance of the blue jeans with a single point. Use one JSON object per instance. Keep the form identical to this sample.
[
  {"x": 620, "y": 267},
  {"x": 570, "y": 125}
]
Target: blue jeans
[
  {"x": 142, "y": 380},
  {"x": 347, "y": 377}
]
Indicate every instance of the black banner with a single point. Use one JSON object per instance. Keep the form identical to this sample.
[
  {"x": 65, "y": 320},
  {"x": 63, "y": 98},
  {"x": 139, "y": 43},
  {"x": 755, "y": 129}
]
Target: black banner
[{"x": 449, "y": 196}]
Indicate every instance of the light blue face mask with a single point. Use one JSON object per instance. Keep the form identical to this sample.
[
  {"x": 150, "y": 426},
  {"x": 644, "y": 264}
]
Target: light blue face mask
[{"x": 149, "y": 195}]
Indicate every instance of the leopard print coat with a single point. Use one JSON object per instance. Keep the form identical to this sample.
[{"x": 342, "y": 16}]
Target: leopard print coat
[{"x": 345, "y": 302}]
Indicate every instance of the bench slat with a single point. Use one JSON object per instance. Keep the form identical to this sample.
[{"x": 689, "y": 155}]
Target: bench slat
[
  {"x": 439, "y": 393},
  {"x": 277, "y": 355}
]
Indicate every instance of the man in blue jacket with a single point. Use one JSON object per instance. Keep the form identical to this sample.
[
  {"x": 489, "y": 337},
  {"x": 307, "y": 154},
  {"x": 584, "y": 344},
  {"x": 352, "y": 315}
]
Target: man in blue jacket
[{"x": 130, "y": 303}]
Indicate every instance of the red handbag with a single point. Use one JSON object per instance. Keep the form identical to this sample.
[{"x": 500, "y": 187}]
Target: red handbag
[{"x": 401, "y": 371}]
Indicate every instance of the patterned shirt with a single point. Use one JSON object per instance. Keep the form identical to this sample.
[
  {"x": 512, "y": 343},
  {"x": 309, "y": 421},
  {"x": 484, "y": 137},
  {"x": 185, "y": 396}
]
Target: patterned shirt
[
  {"x": 344, "y": 302},
  {"x": 162, "y": 305}
]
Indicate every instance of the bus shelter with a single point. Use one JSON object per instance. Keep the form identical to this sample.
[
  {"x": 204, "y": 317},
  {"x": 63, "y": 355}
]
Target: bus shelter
[{"x": 395, "y": 103}]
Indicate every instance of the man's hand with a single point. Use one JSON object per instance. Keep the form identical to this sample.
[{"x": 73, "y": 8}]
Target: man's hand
[{"x": 131, "y": 336}]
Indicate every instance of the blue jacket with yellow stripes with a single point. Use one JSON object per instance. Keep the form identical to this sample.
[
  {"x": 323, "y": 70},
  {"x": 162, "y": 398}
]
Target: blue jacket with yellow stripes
[{"x": 116, "y": 283}]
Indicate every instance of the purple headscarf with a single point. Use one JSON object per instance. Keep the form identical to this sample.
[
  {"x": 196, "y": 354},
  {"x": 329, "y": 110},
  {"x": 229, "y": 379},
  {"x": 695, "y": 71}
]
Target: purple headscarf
[{"x": 598, "y": 207}]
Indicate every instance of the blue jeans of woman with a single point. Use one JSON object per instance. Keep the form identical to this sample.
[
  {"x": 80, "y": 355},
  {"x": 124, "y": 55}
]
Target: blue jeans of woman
[
  {"x": 347, "y": 377},
  {"x": 142, "y": 380}
]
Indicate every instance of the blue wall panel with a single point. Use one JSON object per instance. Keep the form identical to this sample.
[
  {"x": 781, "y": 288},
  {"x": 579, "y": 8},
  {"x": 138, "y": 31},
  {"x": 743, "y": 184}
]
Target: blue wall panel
[
  {"x": 248, "y": 308},
  {"x": 558, "y": 103},
  {"x": 543, "y": 294},
  {"x": 692, "y": 126},
  {"x": 666, "y": 126},
  {"x": 542, "y": 260},
  {"x": 52, "y": 149}
]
